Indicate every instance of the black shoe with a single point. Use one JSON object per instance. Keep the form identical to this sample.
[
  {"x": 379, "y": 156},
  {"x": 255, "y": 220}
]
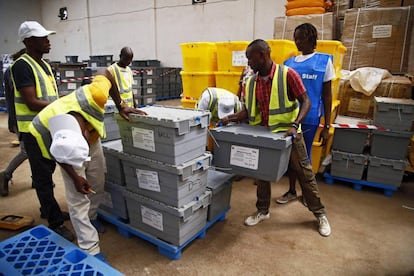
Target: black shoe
[
  {"x": 65, "y": 215},
  {"x": 64, "y": 232},
  {"x": 4, "y": 184}
]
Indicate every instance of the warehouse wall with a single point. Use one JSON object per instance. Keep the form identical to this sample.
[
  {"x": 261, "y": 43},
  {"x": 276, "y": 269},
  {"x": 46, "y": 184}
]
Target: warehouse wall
[
  {"x": 12, "y": 13},
  {"x": 153, "y": 28}
]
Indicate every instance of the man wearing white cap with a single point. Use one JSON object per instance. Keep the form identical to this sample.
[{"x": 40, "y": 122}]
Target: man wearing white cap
[
  {"x": 35, "y": 88},
  {"x": 220, "y": 102},
  {"x": 68, "y": 131}
]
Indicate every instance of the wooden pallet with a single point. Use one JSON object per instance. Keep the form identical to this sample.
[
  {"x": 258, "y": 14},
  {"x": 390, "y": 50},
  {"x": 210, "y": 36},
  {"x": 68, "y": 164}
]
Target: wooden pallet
[
  {"x": 166, "y": 249},
  {"x": 388, "y": 190}
]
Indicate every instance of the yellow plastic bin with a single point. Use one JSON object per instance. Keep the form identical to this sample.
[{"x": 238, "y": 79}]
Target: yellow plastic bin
[
  {"x": 194, "y": 83},
  {"x": 282, "y": 49},
  {"x": 188, "y": 103},
  {"x": 336, "y": 49},
  {"x": 199, "y": 56},
  {"x": 319, "y": 151},
  {"x": 228, "y": 81},
  {"x": 231, "y": 56}
]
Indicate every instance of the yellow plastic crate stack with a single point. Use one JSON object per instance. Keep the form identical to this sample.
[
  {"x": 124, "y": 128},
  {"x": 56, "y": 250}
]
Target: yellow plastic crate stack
[
  {"x": 199, "y": 64},
  {"x": 231, "y": 60}
]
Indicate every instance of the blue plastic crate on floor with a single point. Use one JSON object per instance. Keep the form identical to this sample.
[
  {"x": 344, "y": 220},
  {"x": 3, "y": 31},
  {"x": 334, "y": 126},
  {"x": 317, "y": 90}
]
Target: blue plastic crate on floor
[
  {"x": 40, "y": 251},
  {"x": 166, "y": 249},
  {"x": 388, "y": 190}
]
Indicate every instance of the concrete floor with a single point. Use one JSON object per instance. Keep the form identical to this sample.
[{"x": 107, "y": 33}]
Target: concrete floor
[{"x": 371, "y": 234}]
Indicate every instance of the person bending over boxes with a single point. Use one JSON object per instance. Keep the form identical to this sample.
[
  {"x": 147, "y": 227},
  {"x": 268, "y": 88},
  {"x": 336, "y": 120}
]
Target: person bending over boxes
[{"x": 68, "y": 131}]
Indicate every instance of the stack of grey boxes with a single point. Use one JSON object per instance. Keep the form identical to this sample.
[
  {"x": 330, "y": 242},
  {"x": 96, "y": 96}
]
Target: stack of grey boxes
[
  {"x": 69, "y": 75},
  {"x": 153, "y": 82},
  {"x": 161, "y": 168},
  {"x": 381, "y": 151}
]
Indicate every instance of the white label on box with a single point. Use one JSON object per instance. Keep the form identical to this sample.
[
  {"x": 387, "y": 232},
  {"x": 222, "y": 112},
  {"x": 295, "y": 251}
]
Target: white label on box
[
  {"x": 69, "y": 74},
  {"x": 381, "y": 31},
  {"x": 72, "y": 85},
  {"x": 148, "y": 180},
  {"x": 149, "y": 90},
  {"x": 94, "y": 64},
  {"x": 149, "y": 100},
  {"x": 134, "y": 82},
  {"x": 149, "y": 81},
  {"x": 152, "y": 218},
  {"x": 135, "y": 91},
  {"x": 149, "y": 73},
  {"x": 239, "y": 58},
  {"x": 143, "y": 138},
  {"x": 244, "y": 157}
]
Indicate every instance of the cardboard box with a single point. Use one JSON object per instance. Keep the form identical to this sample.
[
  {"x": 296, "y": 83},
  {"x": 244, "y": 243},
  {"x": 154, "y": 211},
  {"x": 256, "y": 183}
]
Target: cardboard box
[
  {"x": 408, "y": 3},
  {"x": 378, "y": 37},
  {"x": 376, "y": 3},
  {"x": 357, "y": 104},
  {"x": 340, "y": 7},
  {"x": 284, "y": 26}
]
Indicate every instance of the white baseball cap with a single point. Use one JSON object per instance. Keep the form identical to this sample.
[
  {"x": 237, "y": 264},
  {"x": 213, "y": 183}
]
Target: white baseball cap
[
  {"x": 225, "y": 106},
  {"x": 32, "y": 28},
  {"x": 68, "y": 144}
]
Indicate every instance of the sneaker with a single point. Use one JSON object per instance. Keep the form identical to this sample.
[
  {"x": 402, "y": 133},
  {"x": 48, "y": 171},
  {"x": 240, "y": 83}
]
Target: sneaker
[
  {"x": 65, "y": 215},
  {"x": 101, "y": 257},
  {"x": 324, "y": 227},
  {"x": 4, "y": 184},
  {"x": 256, "y": 218},
  {"x": 98, "y": 225},
  {"x": 64, "y": 232},
  {"x": 288, "y": 196}
]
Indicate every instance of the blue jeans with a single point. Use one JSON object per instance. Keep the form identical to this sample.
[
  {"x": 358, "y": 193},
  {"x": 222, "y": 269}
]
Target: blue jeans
[{"x": 300, "y": 164}]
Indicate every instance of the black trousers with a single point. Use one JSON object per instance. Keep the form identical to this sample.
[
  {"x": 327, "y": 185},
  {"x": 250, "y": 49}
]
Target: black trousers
[{"x": 42, "y": 174}]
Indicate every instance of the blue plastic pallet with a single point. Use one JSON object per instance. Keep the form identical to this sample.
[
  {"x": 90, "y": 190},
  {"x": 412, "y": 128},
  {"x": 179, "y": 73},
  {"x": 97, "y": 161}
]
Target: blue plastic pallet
[
  {"x": 388, "y": 190},
  {"x": 40, "y": 251},
  {"x": 168, "y": 250}
]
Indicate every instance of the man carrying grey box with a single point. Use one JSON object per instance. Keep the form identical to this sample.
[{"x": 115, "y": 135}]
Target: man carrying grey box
[{"x": 277, "y": 98}]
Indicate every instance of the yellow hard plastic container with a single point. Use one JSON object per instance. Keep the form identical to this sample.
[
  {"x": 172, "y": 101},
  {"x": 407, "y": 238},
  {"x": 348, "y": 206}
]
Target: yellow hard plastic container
[
  {"x": 231, "y": 56},
  {"x": 194, "y": 83},
  {"x": 319, "y": 151},
  {"x": 336, "y": 49},
  {"x": 282, "y": 49},
  {"x": 188, "y": 103},
  {"x": 199, "y": 56},
  {"x": 335, "y": 88},
  {"x": 228, "y": 81}
]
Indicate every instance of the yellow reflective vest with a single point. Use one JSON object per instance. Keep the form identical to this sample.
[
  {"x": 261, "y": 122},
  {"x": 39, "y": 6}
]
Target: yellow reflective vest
[
  {"x": 79, "y": 101},
  {"x": 282, "y": 111},
  {"x": 123, "y": 78},
  {"x": 46, "y": 90},
  {"x": 215, "y": 95}
]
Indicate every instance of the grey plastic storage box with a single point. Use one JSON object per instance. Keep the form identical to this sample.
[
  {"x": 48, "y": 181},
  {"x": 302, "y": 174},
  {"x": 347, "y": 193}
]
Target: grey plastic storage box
[
  {"x": 348, "y": 165},
  {"x": 393, "y": 113},
  {"x": 114, "y": 171},
  {"x": 114, "y": 200},
  {"x": 386, "y": 171},
  {"x": 170, "y": 224},
  {"x": 351, "y": 140},
  {"x": 174, "y": 185},
  {"x": 168, "y": 134},
  {"x": 252, "y": 151},
  {"x": 219, "y": 183},
  {"x": 111, "y": 125},
  {"x": 390, "y": 144}
]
